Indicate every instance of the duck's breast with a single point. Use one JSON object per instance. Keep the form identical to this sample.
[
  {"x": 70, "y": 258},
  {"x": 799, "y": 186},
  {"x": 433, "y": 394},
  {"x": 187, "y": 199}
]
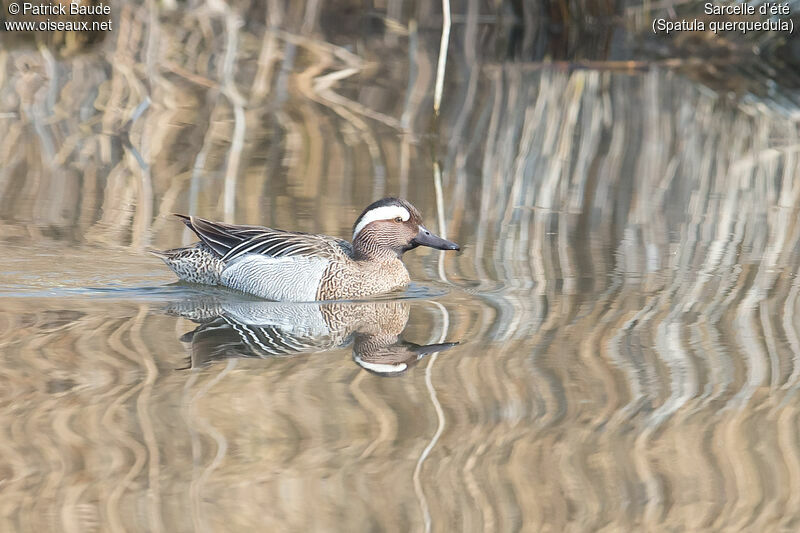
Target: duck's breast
[
  {"x": 294, "y": 279},
  {"x": 346, "y": 280}
]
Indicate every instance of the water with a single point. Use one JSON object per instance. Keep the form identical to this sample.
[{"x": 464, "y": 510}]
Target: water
[{"x": 624, "y": 305}]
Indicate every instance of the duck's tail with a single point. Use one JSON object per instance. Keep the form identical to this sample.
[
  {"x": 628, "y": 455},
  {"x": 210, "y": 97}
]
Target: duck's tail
[
  {"x": 161, "y": 254},
  {"x": 196, "y": 263}
]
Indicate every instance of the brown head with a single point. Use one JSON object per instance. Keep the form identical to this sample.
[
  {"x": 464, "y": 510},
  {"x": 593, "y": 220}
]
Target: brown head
[{"x": 390, "y": 227}]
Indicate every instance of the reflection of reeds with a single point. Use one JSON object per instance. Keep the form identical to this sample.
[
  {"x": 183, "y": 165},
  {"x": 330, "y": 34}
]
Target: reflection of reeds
[{"x": 631, "y": 356}]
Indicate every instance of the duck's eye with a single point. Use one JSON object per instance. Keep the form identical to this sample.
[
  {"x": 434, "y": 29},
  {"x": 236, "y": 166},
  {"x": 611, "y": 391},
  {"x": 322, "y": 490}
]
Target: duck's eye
[{"x": 398, "y": 219}]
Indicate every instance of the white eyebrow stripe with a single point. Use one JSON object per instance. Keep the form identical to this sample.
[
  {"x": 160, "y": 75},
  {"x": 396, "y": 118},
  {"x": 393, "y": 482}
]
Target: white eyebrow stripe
[{"x": 387, "y": 212}]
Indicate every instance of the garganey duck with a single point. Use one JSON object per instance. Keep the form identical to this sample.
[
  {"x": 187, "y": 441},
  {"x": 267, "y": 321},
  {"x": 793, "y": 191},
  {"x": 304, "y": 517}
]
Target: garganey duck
[{"x": 302, "y": 267}]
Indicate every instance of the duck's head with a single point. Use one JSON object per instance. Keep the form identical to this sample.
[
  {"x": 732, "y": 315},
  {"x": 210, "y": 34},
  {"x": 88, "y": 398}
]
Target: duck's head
[{"x": 393, "y": 226}]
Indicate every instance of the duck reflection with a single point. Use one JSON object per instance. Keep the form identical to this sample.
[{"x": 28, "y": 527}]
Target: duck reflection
[{"x": 268, "y": 329}]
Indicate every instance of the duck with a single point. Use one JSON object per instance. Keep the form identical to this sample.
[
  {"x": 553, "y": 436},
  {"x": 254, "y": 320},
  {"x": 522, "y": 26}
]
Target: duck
[{"x": 290, "y": 266}]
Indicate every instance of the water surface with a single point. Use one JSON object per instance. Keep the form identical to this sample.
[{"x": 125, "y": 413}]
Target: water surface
[{"x": 624, "y": 304}]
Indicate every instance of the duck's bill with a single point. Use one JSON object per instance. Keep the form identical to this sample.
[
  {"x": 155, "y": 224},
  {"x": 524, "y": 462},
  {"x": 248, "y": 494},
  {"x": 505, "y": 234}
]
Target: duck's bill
[{"x": 426, "y": 238}]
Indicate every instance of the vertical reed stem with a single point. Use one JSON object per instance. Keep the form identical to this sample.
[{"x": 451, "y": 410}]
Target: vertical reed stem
[{"x": 437, "y": 93}]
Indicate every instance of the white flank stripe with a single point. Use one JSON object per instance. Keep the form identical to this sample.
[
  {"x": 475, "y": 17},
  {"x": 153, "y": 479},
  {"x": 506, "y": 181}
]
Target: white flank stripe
[{"x": 387, "y": 212}]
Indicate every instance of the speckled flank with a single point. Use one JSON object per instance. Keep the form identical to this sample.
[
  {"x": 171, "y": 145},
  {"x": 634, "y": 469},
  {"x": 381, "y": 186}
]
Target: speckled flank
[{"x": 197, "y": 263}]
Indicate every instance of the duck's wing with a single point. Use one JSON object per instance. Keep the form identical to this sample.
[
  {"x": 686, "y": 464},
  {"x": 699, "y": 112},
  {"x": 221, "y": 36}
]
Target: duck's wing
[{"x": 231, "y": 241}]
